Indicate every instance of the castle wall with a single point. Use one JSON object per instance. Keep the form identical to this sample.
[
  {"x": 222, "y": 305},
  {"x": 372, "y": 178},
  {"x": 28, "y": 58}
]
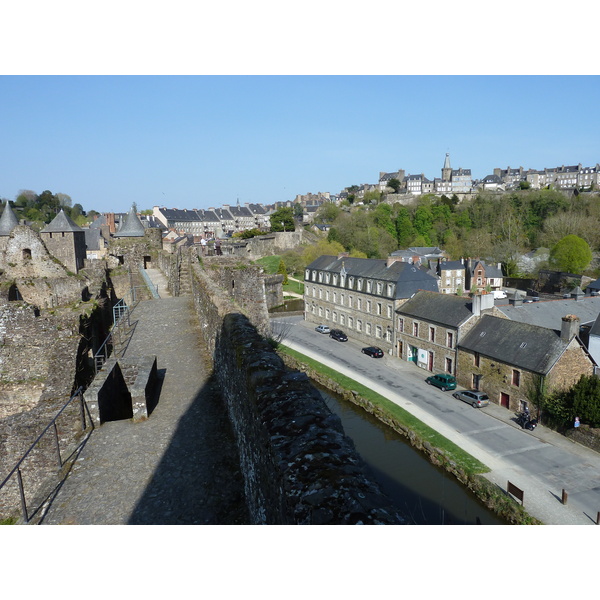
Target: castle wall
[{"x": 298, "y": 465}]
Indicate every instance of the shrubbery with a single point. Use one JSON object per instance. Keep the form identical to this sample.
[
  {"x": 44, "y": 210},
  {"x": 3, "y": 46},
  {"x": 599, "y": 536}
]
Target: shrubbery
[{"x": 582, "y": 400}]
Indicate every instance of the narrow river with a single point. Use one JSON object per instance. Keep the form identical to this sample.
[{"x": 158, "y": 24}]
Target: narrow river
[{"x": 425, "y": 493}]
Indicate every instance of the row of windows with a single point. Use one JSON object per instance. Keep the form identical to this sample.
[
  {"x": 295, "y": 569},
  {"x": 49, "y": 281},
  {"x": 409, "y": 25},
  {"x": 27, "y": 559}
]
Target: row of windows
[
  {"x": 368, "y": 304},
  {"x": 432, "y": 333},
  {"x": 371, "y": 287},
  {"x": 352, "y": 323}
]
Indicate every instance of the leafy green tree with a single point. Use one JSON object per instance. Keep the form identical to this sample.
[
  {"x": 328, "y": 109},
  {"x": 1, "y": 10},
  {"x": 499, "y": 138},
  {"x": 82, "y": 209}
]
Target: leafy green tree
[
  {"x": 395, "y": 184},
  {"x": 422, "y": 222},
  {"x": 298, "y": 209},
  {"x": 382, "y": 218},
  {"x": 572, "y": 255},
  {"x": 327, "y": 213},
  {"x": 281, "y": 270},
  {"x": 283, "y": 219},
  {"x": 405, "y": 231},
  {"x": 581, "y": 400}
]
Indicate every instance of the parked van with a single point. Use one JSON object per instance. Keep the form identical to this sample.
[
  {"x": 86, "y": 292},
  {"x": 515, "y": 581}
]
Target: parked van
[{"x": 499, "y": 294}]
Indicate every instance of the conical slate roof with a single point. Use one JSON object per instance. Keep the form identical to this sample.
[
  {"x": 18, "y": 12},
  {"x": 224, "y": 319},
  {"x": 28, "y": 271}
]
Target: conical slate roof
[
  {"x": 131, "y": 226},
  {"x": 8, "y": 221},
  {"x": 61, "y": 223}
]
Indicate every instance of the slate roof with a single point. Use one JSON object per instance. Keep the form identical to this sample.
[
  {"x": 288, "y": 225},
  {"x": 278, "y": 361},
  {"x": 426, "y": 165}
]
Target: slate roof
[
  {"x": 240, "y": 211},
  {"x": 451, "y": 265},
  {"x": 442, "y": 309},
  {"x": 131, "y": 226},
  {"x": 491, "y": 179},
  {"x": 99, "y": 222},
  {"x": 594, "y": 285},
  {"x": 61, "y": 223},
  {"x": 8, "y": 220},
  {"x": 179, "y": 215},
  {"x": 549, "y": 313},
  {"x": 257, "y": 209},
  {"x": 94, "y": 239},
  {"x": 208, "y": 216},
  {"x": 522, "y": 345},
  {"x": 408, "y": 278}
]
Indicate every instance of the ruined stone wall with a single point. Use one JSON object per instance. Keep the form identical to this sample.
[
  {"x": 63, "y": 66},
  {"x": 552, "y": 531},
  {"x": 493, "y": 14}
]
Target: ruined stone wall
[{"x": 264, "y": 245}]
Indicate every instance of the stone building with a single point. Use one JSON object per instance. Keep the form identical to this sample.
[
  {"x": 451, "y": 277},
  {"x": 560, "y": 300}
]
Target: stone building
[
  {"x": 508, "y": 360},
  {"x": 452, "y": 274},
  {"x": 480, "y": 276},
  {"x": 361, "y": 295},
  {"x": 430, "y": 325},
  {"x": 65, "y": 241}
]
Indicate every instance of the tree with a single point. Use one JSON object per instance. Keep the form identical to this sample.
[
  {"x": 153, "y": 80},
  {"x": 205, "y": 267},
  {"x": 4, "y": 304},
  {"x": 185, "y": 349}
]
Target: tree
[
  {"x": 281, "y": 270},
  {"x": 283, "y": 219},
  {"x": 572, "y": 255},
  {"x": 327, "y": 213},
  {"x": 395, "y": 184}
]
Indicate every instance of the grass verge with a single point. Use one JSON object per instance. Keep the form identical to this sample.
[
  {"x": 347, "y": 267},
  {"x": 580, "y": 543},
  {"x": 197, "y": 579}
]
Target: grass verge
[{"x": 440, "y": 450}]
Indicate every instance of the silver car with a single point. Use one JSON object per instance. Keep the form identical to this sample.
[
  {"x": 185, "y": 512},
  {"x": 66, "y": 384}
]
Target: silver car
[
  {"x": 322, "y": 329},
  {"x": 473, "y": 397}
]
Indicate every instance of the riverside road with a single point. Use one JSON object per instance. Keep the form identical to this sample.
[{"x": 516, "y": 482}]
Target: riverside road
[{"x": 542, "y": 463}]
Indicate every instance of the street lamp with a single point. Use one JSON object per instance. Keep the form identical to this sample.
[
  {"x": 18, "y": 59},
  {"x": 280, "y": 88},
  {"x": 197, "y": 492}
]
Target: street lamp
[{"x": 283, "y": 225}]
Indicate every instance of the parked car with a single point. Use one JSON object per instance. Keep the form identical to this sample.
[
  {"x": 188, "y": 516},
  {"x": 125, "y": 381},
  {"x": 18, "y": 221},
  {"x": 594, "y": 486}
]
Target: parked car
[
  {"x": 442, "y": 381},
  {"x": 339, "y": 335},
  {"x": 322, "y": 329},
  {"x": 373, "y": 351},
  {"x": 473, "y": 397}
]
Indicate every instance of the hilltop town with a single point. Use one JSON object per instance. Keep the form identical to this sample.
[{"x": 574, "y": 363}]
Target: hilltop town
[{"x": 519, "y": 327}]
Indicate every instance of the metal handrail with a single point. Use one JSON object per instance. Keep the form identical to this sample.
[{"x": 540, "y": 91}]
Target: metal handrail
[
  {"x": 17, "y": 468},
  {"x": 121, "y": 314}
]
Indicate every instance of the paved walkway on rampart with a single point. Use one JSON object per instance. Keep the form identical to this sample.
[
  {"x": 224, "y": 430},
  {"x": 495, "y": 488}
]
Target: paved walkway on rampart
[{"x": 178, "y": 467}]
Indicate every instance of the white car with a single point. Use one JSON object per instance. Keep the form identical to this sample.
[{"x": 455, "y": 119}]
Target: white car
[{"x": 322, "y": 329}]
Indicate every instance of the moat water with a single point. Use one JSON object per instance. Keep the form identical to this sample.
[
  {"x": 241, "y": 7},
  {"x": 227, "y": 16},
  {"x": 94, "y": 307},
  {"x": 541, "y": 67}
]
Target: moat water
[{"x": 423, "y": 492}]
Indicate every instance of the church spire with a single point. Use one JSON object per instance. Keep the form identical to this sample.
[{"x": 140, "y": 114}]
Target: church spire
[{"x": 447, "y": 169}]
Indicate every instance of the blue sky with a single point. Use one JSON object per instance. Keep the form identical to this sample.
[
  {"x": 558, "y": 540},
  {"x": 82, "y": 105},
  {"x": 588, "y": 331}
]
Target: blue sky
[{"x": 200, "y": 141}]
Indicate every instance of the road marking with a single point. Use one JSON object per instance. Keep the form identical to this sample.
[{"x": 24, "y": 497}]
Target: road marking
[
  {"x": 484, "y": 430},
  {"x": 537, "y": 446}
]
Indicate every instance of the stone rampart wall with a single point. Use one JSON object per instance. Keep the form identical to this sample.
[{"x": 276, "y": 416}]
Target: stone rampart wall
[{"x": 299, "y": 466}]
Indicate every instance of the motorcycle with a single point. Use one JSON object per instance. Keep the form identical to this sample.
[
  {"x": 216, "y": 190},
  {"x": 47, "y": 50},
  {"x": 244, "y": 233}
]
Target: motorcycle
[{"x": 526, "y": 422}]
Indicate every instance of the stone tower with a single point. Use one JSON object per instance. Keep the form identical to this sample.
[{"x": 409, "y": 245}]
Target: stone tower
[
  {"x": 65, "y": 241},
  {"x": 447, "y": 169},
  {"x": 8, "y": 221}
]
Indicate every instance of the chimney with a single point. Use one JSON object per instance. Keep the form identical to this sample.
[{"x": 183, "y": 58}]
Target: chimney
[
  {"x": 391, "y": 260},
  {"x": 569, "y": 328},
  {"x": 481, "y": 302},
  {"x": 516, "y": 300}
]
